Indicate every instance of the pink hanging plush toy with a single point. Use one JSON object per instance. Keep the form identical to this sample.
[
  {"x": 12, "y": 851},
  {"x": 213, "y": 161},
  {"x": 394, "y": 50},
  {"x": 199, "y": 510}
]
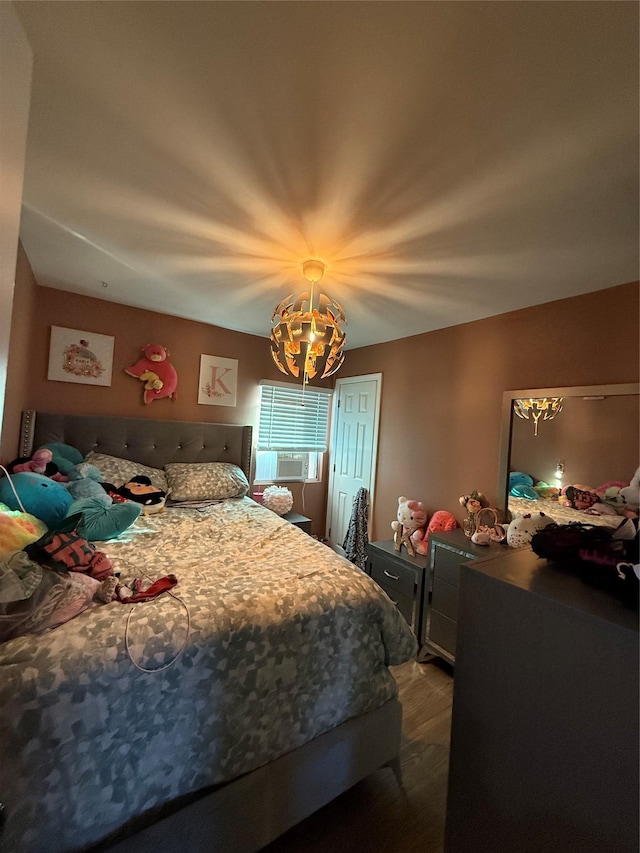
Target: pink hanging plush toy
[{"x": 158, "y": 374}]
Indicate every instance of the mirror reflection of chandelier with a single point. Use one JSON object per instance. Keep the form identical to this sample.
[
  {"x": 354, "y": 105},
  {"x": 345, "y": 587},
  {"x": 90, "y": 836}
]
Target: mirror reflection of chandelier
[
  {"x": 307, "y": 338},
  {"x": 535, "y": 409}
]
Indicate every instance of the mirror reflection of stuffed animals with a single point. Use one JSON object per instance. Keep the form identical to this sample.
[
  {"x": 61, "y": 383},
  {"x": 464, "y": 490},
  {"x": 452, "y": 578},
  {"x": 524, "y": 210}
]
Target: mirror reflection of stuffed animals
[
  {"x": 409, "y": 527},
  {"x": 156, "y": 371},
  {"x": 571, "y": 502}
]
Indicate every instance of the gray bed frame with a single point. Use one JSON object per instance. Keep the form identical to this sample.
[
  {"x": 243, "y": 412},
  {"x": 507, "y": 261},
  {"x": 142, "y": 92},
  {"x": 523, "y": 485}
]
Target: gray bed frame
[{"x": 249, "y": 812}]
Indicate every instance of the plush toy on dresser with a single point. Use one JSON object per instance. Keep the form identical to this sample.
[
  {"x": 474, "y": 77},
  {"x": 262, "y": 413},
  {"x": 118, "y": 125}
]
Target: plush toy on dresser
[
  {"x": 523, "y": 527},
  {"x": 409, "y": 528}
]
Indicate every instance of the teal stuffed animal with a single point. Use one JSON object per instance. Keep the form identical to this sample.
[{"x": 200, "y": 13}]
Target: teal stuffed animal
[
  {"x": 52, "y": 503},
  {"x": 104, "y": 521},
  {"x": 47, "y": 499},
  {"x": 85, "y": 482}
]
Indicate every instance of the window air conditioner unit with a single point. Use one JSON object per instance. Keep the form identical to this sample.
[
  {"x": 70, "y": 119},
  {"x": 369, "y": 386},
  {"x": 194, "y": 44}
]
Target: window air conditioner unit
[{"x": 292, "y": 466}]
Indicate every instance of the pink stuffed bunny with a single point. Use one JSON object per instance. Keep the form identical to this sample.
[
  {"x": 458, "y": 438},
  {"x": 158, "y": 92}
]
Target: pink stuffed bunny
[{"x": 36, "y": 465}]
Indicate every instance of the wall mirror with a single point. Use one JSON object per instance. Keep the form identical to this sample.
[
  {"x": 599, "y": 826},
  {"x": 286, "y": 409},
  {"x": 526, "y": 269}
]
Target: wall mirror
[{"x": 592, "y": 437}]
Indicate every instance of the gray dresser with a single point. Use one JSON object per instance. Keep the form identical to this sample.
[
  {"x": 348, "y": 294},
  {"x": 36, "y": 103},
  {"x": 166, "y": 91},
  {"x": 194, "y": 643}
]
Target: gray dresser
[
  {"x": 544, "y": 742},
  {"x": 401, "y": 577},
  {"x": 447, "y": 551}
]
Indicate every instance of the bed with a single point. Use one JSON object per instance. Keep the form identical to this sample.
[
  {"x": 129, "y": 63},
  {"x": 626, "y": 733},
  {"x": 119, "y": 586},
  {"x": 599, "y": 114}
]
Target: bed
[{"x": 270, "y": 691}]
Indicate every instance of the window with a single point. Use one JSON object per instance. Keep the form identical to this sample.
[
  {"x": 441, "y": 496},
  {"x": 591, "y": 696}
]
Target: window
[{"x": 292, "y": 431}]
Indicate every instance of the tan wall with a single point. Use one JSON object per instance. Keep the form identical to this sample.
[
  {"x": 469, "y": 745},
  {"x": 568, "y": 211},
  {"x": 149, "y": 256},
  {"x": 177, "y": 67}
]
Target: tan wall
[
  {"x": 442, "y": 391},
  {"x": 16, "y": 66},
  {"x": 19, "y": 376},
  {"x": 441, "y": 394},
  {"x": 132, "y": 328}
]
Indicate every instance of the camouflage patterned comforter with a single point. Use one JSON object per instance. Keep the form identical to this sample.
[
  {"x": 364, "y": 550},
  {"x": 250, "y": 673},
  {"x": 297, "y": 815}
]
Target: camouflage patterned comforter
[{"x": 277, "y": 640}]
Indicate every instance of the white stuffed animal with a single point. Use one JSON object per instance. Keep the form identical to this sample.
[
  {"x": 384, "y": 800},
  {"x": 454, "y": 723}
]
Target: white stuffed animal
[
  {"x": 631, "y": 493},
  {"x": 409, "y": 528},
  {"x": 521, "y": 529}
]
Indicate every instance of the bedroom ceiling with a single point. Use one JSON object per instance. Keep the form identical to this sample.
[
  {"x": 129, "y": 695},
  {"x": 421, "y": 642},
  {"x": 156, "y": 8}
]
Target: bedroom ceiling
[{"x": 448, "y": 161}]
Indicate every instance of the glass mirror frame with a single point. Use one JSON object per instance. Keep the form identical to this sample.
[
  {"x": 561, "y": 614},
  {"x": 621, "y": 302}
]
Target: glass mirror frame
[{"x": 506, "y": 431}]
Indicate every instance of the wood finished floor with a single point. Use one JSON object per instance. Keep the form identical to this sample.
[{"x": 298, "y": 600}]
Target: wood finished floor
[{"x": 377, "y": 815}]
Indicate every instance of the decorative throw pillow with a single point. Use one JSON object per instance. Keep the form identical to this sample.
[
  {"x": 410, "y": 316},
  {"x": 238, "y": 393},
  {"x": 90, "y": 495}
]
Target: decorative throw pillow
[
  {"x": 205, "y": 481},
  {"x": 119, "y": 471}
]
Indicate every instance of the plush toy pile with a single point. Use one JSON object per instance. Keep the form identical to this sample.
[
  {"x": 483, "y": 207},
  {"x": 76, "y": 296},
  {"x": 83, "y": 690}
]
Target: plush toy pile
[
  {"x": 602, "y": 556},
  {"x": 54, "y": 507},
  {"x": 83, "y": 494}
]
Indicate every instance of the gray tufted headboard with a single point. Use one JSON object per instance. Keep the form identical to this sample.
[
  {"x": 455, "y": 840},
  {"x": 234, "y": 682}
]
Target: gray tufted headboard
[{"x": 149, "y": 442}]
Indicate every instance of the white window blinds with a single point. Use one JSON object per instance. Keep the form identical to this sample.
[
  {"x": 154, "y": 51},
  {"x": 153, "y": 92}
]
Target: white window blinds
[{"x": 293, "y": 420}]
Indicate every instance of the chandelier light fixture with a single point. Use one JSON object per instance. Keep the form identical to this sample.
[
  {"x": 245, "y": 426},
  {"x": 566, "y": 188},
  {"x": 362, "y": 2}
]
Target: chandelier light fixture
[
  {"x": 307, "y": 338},
  {"x": 536, "y": 409}
]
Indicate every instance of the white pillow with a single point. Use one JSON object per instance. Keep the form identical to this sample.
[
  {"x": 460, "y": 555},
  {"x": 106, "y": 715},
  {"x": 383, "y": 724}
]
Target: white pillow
[
  {"x": 205, "y": 481},
  {"x": 119, "y": 471}
]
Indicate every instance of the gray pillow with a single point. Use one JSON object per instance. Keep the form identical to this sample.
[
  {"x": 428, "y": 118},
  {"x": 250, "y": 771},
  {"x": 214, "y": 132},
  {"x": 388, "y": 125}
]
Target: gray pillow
[
  {"x": 205, "y": 481},
  {"x": 119, "y": 471}
]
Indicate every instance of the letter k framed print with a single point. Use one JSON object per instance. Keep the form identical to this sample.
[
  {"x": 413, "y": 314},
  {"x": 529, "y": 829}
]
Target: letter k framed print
[{"x": 218, "y": 381}]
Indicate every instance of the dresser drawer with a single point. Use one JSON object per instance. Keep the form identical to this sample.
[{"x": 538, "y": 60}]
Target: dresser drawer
[
  {"x": 446, "y": 565},
  {"x": 442, "y": 631},
  {"x": 445, "y": 598},
  {"x": 393, "y": 578},
  {"x": 403, "y": 603}
]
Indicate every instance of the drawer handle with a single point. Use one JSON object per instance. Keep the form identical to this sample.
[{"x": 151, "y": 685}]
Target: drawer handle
[{"x": 393, "y": 577}]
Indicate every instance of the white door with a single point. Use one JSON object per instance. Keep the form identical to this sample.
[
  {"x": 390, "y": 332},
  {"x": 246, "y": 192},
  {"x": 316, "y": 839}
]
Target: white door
[{"x": 353, "y": 447}]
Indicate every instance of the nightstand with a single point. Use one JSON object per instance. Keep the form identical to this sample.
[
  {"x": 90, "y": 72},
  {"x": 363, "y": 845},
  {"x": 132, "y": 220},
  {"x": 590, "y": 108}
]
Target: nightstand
[
  {"x": 447, "y": 551},
  {"x": 300, "y": 521},
  {"x": 401, "y": 577}
]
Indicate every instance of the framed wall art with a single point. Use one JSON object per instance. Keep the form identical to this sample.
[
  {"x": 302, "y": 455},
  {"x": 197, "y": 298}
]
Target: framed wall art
[
  {"x": 218, "y": 381},
  {"x": 76, "y": 356}
]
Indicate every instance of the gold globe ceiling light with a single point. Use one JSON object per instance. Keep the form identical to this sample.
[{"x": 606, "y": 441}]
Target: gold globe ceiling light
[
  {"x": 535, "y": 409},
  {"x": 307, "y": 338}
]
